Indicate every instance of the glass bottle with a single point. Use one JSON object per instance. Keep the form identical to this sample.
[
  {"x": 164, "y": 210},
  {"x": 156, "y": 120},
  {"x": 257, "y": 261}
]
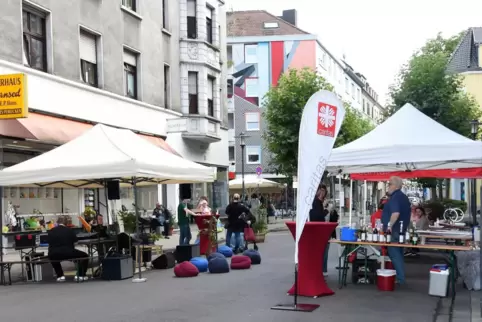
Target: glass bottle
[{"x": 401, "y": 239}]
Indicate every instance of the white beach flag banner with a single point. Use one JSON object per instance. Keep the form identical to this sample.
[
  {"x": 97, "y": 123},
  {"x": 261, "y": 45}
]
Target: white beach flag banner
[{"x": 320, "y": 123}]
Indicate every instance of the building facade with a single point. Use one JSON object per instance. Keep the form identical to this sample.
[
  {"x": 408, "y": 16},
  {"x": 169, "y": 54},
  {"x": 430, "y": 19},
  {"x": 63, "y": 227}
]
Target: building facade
[
  {"x": 261, "y": 47},
  {"x": 466, "y": 61},
  {"x": 123, "y": 63}
]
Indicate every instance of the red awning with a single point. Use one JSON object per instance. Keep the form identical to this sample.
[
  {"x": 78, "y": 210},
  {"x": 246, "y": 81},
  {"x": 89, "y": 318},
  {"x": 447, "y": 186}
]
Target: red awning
[
  {"x": 469, "y": 173},
  {"x": 54, "y": 130}
]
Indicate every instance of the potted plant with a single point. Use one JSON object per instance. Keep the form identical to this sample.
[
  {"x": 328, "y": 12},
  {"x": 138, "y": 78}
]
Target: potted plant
[
  {"x": 152, "y": 238},
  {"x": 260, "y": 227},
  {"x": 129, "y": 220}
]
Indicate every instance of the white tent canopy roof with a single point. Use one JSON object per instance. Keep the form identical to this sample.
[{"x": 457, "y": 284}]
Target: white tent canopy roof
[
  {"x": 105, "y": 152},
  {"x": 408, "y": 140},
  {"x": 252, "y": 181}
]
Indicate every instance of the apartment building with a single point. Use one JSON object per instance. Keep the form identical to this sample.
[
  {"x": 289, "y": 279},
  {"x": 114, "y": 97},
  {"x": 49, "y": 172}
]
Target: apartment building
[
  {"x": 466, "y": 61},
  {"x": 261, "y": 47},
  {"x": 155, "y": 67}
]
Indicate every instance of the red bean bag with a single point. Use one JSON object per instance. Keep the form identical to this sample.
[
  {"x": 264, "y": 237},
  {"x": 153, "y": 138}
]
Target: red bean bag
[
  {"x": 240, "y": 262},
  {"x": 186, "y": 269}
]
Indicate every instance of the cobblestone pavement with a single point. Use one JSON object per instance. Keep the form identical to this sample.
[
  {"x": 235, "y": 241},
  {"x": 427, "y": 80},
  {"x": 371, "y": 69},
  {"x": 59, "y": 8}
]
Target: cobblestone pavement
[{"x": 237, "y": 296}]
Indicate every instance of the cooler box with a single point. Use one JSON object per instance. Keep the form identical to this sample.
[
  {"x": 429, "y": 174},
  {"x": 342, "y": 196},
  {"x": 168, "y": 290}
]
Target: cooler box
[
  {"x": 386, "y": 279},
  {"x": 439, "y": 280},
  {"x": 348, "y": 234}
]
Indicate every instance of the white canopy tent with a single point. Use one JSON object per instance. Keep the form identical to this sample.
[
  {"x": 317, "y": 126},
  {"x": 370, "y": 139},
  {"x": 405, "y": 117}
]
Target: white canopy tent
[
  {"x": 408, "y": 140},
  {"x": 251, "y": 182},
  {"x": 105, "y": 152}
]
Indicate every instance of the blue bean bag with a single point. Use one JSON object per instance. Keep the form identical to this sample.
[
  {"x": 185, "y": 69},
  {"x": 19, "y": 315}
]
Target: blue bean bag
[
  {"x": 253, "y": 255},
  {"x": 218, "y": 265},
  {"x": 215, "y": 255},
  {"x": 201, "y": 263},
  {"x": 226, "y": 251}
]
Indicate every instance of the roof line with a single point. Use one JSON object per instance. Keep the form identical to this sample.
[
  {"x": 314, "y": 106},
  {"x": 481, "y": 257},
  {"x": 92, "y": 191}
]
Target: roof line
[
  {"x": 275, "y": 17},
  {"x": 452, "y": 56},
  {"x": 254, "y": 105}
]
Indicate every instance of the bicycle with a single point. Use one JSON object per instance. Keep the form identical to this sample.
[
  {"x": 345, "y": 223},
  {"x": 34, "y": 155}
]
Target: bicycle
[{"x": 453, "y": 215}]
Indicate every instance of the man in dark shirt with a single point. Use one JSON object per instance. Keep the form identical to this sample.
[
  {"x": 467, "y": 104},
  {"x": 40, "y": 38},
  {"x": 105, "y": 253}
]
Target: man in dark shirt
[
  {"x": 62, "y": 241},
  {"x": 397, "y": 212},
  {"x": 235, "y": 211}
]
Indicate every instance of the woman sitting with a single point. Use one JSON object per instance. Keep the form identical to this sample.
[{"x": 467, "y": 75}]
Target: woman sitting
[{"x": 421, "y": 223}]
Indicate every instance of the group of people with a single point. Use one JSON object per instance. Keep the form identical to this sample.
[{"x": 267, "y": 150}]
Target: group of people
[
  {"x": 393, "y": 209},
  {"x": 184, "y": 214}
]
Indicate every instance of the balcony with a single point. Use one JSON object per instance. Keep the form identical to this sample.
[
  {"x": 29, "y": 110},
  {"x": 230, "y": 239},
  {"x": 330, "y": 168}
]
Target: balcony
[{"x": 195, "y": 127}]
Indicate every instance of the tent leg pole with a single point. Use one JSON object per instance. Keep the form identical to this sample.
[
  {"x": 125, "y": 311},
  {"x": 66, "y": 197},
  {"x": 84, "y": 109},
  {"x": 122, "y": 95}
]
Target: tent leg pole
[
  {"x": 351, "y": 200},
  {"x": 139, "y": 279}
]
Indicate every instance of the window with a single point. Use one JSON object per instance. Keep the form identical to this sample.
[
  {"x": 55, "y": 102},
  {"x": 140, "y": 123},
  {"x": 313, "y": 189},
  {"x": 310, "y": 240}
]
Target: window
[
  {"x": 34, "y": 39},
  {"x": 191, "y": 19},
  {"x": 230, "y": 121},
  {"x": 210, "y": 93},
  {"x": 231, "y": 153},
  {"x": 129, "y": 4},
  {"x": 88, "y": 58},
  {"x": 251, "y": 87},
  {"x": 209, "y": 25},
  {"x": 363, "y": 105},
  {"x": 252, "y": 121},
  {"x": 358, "y": 95},
  {"x": 230, "y": 88},
  {"x": 164, "y": 15},
  {"x": 192, "y": 89},
  {"x": 253, "y": 154},
  {"x": 352, "y": 90},
  {"x": 270, "y": 25},
  {"x": 167, "y": 86},
  {"x": 130, "y": 74},
  {"x": 347, "y": 84},
  {"x": 251, "y": 54}
]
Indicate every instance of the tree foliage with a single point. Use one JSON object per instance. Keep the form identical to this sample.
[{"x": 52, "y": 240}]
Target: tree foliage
[
  {"x": 425, "y": 83},
  {"x": 283, "y": 110}
]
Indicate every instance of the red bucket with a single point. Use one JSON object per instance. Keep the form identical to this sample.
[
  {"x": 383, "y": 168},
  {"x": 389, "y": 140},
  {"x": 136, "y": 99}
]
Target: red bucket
[{"x": 386, "y": 280}]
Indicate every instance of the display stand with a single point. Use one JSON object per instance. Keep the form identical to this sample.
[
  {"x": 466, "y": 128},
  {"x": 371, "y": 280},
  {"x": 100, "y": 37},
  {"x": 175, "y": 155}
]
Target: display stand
[
  {"x": 206, "y": 229},
  {"x": 311, "y": 249}
]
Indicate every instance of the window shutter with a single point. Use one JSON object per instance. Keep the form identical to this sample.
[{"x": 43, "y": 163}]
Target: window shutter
[
  {"x": 191, "y": 8},
  {"x": 210, "y": 88},
  {"x": 130, "y": 58},
  {"x": 88, "y": 50},
  {"x": 209, "y": 13},
  {"x": 252, "y": 117}
]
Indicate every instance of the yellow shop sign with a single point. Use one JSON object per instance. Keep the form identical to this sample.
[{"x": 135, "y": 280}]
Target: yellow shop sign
[{"x": 13, "y": 96}]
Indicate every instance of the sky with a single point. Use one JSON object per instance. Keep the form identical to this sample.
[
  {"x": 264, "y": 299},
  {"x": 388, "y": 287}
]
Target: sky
[{"x": 376, "y": 36}]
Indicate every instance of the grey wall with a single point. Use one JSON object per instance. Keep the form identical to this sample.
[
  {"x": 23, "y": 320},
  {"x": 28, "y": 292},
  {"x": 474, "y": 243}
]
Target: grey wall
[
  {"x": 117, "y": 28},
  {"x": 242, "y": 106}
]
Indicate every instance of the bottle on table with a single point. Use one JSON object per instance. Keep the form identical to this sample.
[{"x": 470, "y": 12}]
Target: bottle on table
[
  {"x": 388, "y": 235},
  {"x": 369, "y": 234},
  {"x": 375, "y": 235},
  {"x": 381, "y": 237},
  {"x": 415, "y": 238},
  {"x": 409, "y": 233},
  {"x": 401, "y": 239},
  {"x": 363, "y": 234}
]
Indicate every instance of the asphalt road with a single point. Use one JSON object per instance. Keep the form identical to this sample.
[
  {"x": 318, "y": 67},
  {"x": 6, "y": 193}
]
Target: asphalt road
[{"x": 238, "y": 296}]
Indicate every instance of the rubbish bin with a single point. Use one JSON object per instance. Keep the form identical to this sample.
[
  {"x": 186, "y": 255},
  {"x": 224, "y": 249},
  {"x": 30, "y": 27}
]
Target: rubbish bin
[{"x": 439, "y": 280}]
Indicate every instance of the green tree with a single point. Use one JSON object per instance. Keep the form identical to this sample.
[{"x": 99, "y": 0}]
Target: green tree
[
  {"x": 284, "y": 107},
  {"x": 424, "y": 83}
]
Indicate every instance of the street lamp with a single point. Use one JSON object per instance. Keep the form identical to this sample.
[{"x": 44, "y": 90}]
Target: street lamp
[
  {"x": 474, "y": 129},
  {"x": 242, "y": 142}
]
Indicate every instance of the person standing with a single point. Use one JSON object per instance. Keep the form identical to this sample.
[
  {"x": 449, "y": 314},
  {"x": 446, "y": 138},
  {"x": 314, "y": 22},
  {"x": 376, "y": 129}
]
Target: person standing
[
  {"x": 320, "y": 211},
  {"x": 397, "y": 210},
  {"x": 235, "y": 211},
  {"x": 183, "y": 214}
]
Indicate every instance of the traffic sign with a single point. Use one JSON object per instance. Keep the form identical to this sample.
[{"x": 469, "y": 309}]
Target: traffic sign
[{"x": 259, "y": 170}]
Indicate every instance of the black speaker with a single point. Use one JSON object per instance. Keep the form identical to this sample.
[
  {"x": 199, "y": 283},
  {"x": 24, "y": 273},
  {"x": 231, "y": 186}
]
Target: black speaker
[
  {"x": 184, "y": 253},
  {"x": 164, "y": 261},
  {"x": 185, "y": 191},
  {"x": 113, "y": 190}
]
